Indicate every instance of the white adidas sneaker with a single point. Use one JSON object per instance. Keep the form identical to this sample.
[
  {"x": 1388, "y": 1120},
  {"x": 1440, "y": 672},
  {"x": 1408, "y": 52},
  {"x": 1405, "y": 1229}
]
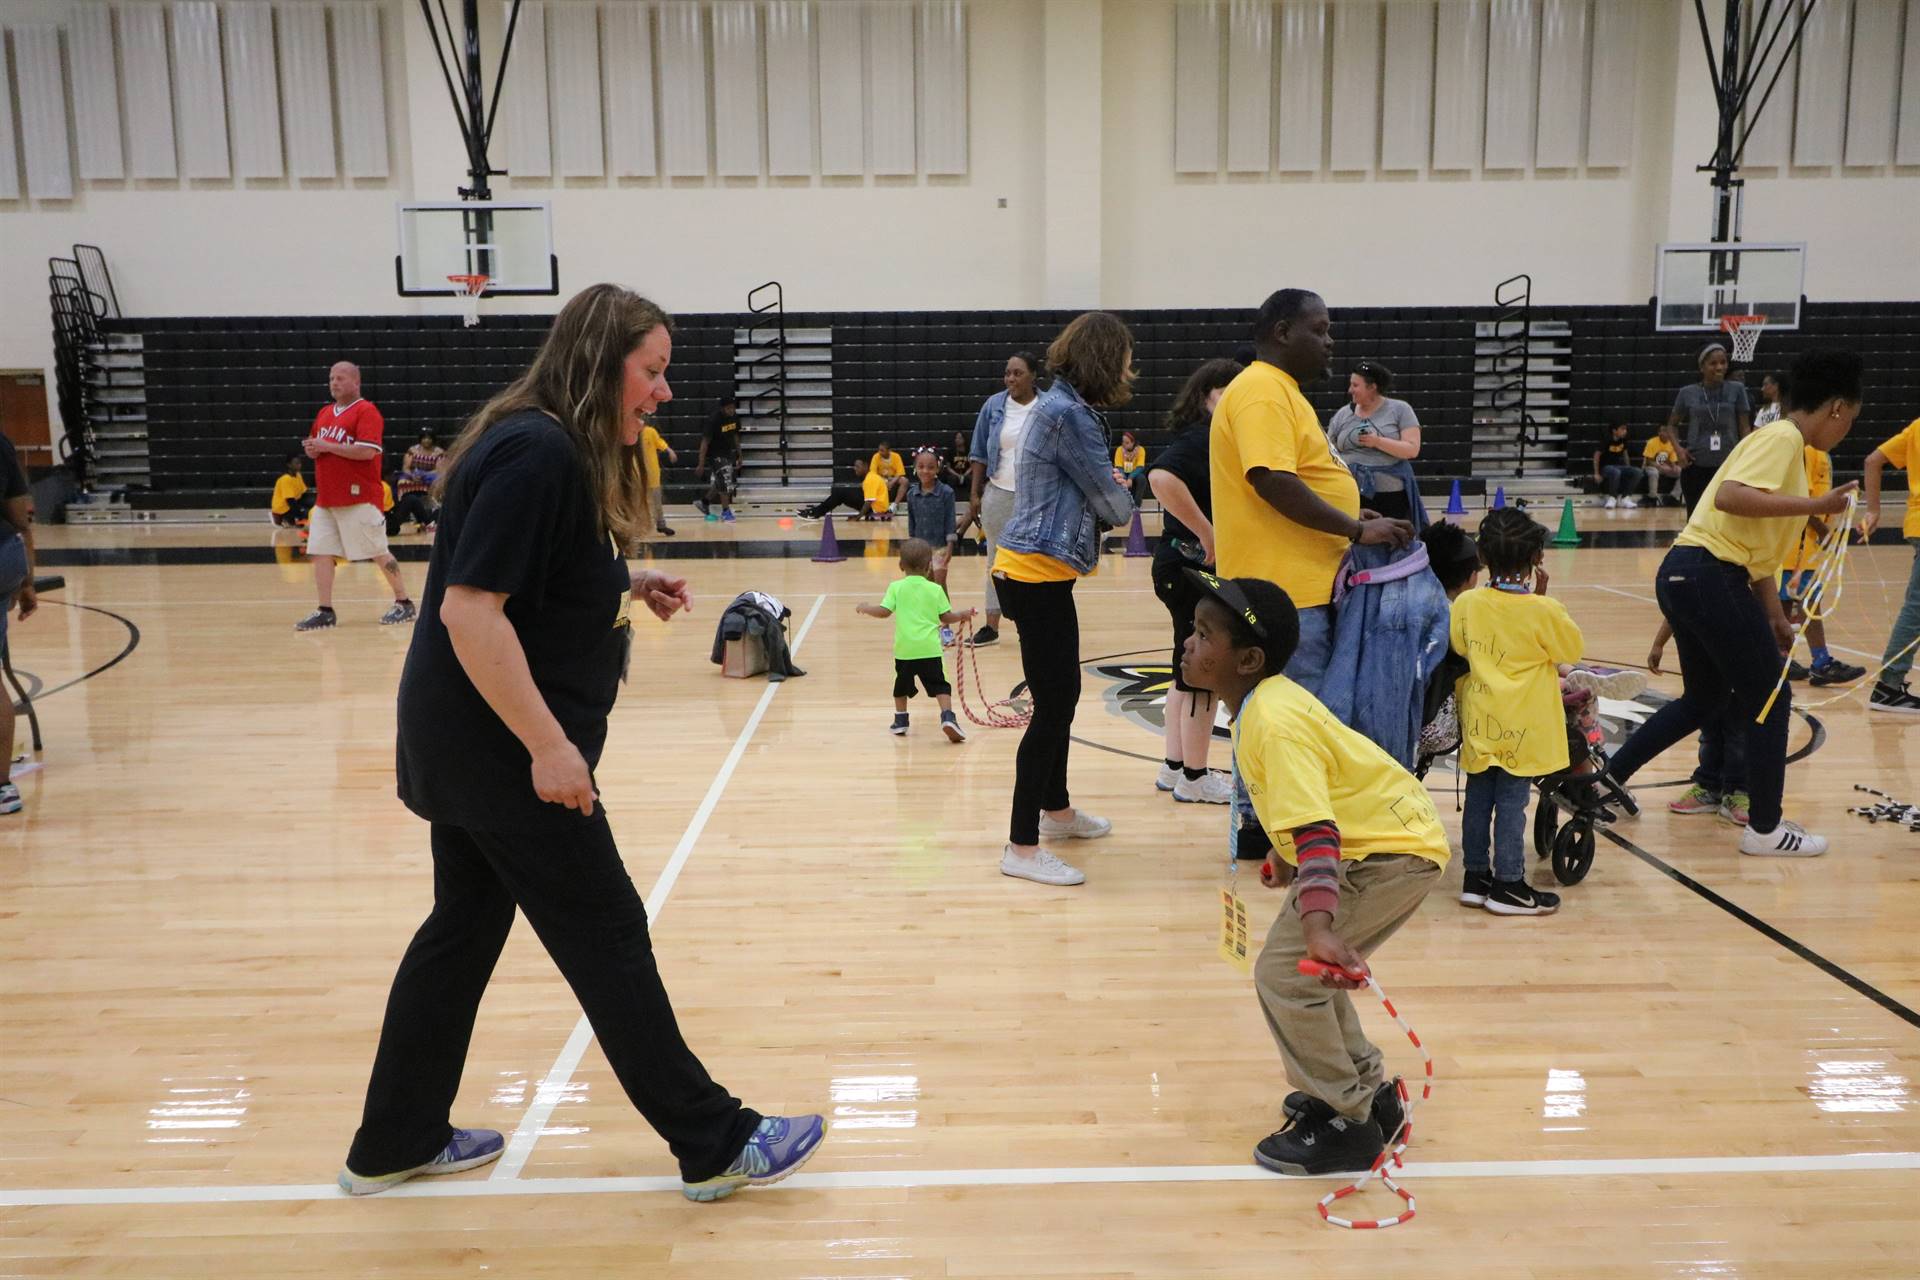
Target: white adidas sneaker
[{"x": 1788, "y": 840}]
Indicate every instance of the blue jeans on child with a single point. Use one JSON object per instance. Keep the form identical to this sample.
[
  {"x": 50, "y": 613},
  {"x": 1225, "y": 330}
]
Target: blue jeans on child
[
  {"x": 1906, "y": 628},
  {"x": 1723, "y": 758},
  {"x": 1496, "y": 807}
]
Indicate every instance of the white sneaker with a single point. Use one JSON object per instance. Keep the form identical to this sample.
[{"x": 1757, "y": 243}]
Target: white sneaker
[
  {"x": 1083, "y": 827},
  {"x": 1208, "y": 788},
  {"x": 1167, "y": 779},
  {"x": 1788, "y": 840},
  {"x": 1612, "y": 503},
  {"x": 1628, "y": 503},
  {"x": 1620, "y": 685},
  {"x": 1041, "y": 868}
]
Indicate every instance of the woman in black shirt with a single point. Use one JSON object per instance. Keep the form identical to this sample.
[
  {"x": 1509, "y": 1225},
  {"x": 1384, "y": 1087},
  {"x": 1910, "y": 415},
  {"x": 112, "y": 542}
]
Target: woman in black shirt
[
  {"x": 518, "y": 654},
  {"x": 1181, "y": 479}
]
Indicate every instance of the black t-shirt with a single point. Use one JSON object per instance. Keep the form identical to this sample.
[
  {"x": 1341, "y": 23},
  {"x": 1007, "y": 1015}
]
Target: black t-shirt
[
  {"x": 13, "y": 481},
  {"x": 1614, "y": 453},
  {"x": 1189, "y": 460},
  {"x": 518, "y": 519},
  {"x": 723, "y": 434}
]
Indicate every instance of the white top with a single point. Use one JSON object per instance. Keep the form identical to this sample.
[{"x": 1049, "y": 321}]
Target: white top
[
  {"x": 1012, "y": 426},
  {"x": 1768, "y": 413}
]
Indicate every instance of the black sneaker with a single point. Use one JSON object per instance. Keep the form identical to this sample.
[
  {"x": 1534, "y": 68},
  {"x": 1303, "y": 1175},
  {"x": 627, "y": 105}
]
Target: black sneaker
[
  {"x": 899, "y": 726},
  {"x": 402, "y": 611},
  {"x": 700, "y": 505},
  {"x": 984, "y": 637},
  {"x": 1473, "y": 890},
  {"x": 1836, "y": 672},
  {"x": 1518, "y": 898},
  {"x": 1887, "y": 697},
  {"x": 1795, "y": 670},
  {"x": 664, "y": 531},
  {"x": 315, "y": 621},
  {"x": 1320, "y": 1144},
  {"x": 1388, "y": 1113}
]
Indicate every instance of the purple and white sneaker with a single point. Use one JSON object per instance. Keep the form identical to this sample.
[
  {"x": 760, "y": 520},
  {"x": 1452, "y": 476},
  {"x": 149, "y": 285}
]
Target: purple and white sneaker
[
  {"x": 776, "y": 1149},
  {"x": 467, "y": 1149}
]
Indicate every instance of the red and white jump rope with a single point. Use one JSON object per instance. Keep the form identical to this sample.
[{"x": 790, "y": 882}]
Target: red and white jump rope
[
  {"x": 1396, "y": 1144},
  {"x": 999, "y": 715}
]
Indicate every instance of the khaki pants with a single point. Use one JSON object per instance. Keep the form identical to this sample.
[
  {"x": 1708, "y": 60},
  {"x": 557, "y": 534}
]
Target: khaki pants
[{"x": 1317, "y": 1028}]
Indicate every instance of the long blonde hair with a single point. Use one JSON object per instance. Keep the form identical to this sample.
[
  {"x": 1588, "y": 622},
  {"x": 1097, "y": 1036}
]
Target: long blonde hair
[{"x": 578, "y": 379}]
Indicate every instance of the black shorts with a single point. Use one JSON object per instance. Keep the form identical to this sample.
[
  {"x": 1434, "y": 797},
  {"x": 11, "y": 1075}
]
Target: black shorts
[
  {"x": 931, "y": 672},
  {"x": 1177, "y": 592}
]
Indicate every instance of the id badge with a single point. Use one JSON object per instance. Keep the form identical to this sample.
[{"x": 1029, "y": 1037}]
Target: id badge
[
  {"x": 1235, "y": 948},
  {"x": 1713, "y": 443}
]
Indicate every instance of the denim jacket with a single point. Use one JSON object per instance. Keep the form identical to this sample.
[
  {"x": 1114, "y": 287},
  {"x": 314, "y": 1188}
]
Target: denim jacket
[
  {"x": 1066, "y": 482},
  {"x": 1410, "y": 484},
  {"x": 1388, "y": 638},
  {"x": 985, "y": 449}
]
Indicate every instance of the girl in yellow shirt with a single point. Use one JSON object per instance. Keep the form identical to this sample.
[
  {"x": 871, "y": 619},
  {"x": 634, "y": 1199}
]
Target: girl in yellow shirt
[
  {"x": 1512, "y": 727},
  {"x": 1130, "y": 460}
]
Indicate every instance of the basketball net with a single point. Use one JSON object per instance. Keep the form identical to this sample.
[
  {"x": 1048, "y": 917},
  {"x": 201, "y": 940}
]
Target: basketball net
[
  {"x": 468, "y": 290},
  {"x": 1744, "y": 332}
]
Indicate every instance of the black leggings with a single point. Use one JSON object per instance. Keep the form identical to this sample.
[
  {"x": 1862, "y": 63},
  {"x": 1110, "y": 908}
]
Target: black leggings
[
  {"x": 415, "y": 506},
  {"x": 1693, "y": 484},
  {"x": 569, "y": 881},
  {"x": 853, "y": 499},
  {"x": 1049, "y": 629}
]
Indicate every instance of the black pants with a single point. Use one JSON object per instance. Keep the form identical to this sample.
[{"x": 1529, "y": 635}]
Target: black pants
[
  {"x": 1693, "y": 483},
  {"x": 1176, "y": 591},
  {"x": 848, "y": 496},
  {"x": 577, "y": 896},
  {"x": 930, "y": 672},
  {"x": 297, "y": 509},
  {"x": 1728, "y": 665},
  {"x": 1049, "y": 628},
  {"x": 1392, "y": 505},
  {"x": 415, "y": 506}
]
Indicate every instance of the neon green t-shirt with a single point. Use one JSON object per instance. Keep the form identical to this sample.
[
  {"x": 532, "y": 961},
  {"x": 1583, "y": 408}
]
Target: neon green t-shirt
[{"x": 917, "y": 604}]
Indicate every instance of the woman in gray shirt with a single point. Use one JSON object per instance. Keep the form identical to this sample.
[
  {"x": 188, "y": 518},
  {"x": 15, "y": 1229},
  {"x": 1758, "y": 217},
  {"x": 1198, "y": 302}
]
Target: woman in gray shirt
[
  {"x": 1377, "y": 437},
  {"x": 1709, "y": 418}
]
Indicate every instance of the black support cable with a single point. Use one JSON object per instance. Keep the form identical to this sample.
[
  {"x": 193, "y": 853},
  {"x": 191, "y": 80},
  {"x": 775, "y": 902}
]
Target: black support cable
[{"x": 446, "y": 73}]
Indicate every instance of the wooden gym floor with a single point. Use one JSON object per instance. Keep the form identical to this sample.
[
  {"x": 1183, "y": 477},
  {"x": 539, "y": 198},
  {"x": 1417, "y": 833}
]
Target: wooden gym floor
[{"x": 1703, "y": 1067}]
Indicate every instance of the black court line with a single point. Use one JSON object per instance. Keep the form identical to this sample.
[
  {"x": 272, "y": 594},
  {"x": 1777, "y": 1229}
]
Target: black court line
[{"x": 126, "y": 651}]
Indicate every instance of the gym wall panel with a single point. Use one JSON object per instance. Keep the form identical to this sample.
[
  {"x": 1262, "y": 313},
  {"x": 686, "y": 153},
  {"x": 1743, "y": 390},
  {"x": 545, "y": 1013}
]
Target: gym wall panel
[
  {"x": 1197, "y": 34},
  {"x": 943, "y": 86},
  {"x": 253, "y": 91},
  {"x": 843, "y": 122},
  {"x": 362, "y": 88},
  {"x": 627, "y": 48},
  {"x": 96, "y": 92},
  {"x": 1513, "y": 64},
  {"x": 201, "y": 90},
  {"x": 524, "y": 109},
  {"x": 1873, "y": 81},
  {"x": 1819, "y": 118},
  {"x": 1459, "y": 83},
  {"x": 45, "y": 130},
  {"x": 1611, "y": 86},
  {"x": 790, "y": 111},
  {"x": 573, "y": 79},
  {"x": 891, "y": 120},
  {"x": 736, "y": 89},
  {"x": 9, "y": 153},
  {"x": 1769, "y": 127},
  {"x": 1563, "y": 84},
  {"x": 1249, "y": 87},
  {"x": 683, "y": 89},
  {"x": 1907, "y": 149},
  {"x": 1303, "y": 86},
  {"x": 1406, "y": 90},
  {"x": 1356, "y": 86},
  {"x": 149, "y": 84}
]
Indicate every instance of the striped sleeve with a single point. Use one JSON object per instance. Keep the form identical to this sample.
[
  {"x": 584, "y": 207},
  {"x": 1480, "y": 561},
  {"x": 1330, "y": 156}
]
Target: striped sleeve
[{"x": 1317, "y": 850}]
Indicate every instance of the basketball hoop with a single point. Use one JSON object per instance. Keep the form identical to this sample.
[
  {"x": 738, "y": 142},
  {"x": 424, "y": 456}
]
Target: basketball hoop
[
  {"x": 468, "y": 290},
  {"x": 1745, "y": 333}
]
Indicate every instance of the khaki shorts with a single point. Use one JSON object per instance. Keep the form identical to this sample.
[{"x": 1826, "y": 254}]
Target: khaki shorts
[{"x": 358, "y": 532}]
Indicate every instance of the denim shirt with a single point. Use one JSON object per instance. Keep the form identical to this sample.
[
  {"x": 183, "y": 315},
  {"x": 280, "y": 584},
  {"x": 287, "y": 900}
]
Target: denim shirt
[
  {"x": 985, "y": 449},
  {"x": 1387, "y": 641},
  {"x": 930, "y": 516},
  {"x": 1066, "y": 482}
]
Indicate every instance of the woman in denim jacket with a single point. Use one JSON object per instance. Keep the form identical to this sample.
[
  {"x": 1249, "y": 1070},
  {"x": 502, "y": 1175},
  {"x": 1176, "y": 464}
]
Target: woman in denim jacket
[
  {"x": 994, "y": 458},
  {"x": 1068, "y": 490}
]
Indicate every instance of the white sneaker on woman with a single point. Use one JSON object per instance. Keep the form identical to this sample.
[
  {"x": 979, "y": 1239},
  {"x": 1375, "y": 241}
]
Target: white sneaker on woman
[
  {"x": 1041, "y": 868},
  {"x": 1166, "y": 779},
  {"x": 1083, "y": 827},
  {"x": 1211, "y": 787},
  {"x": 1788, "y": 840}
]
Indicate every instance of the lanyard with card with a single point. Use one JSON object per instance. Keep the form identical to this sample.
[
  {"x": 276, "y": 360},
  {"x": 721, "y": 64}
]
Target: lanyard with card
[{"x": 1235, "y": 944}]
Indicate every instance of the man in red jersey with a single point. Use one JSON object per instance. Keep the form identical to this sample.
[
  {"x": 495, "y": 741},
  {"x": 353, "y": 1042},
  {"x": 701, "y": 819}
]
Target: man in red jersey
[{"x": 347, "y": 523}]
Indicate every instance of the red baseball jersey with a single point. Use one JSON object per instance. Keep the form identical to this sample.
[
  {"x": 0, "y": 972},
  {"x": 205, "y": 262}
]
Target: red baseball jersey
[{"x": 345, "y": 482}]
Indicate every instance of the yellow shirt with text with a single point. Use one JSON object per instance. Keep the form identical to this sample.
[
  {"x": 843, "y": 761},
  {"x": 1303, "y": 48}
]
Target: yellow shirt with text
[
  {"x": 1901, "y": 452},
  {"x": 1659, "y": 450},
  {"x": 1509, "y": 700},
  {"x": 1772, "y": 458},
  {"x": 1302, "y": 766},
  {"x": 887, "y": 465},
  {"x": 1264, "y": 421}
]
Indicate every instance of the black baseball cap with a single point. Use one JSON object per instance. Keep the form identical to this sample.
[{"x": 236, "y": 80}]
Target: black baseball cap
[{"x": 1267, "y": 610}]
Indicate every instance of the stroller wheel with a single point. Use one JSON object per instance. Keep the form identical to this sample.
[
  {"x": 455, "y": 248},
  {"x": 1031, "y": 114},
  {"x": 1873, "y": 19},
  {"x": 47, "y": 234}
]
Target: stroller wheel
[
  {"x": 1573, "y": 851},
  {"x": 1546, "y": 821}
]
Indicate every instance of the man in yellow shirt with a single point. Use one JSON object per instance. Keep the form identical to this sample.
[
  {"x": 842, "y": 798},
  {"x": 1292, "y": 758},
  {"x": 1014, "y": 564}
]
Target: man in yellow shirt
[
  {"x": 1662, "y": 458},
  {"x": 1890, "y": 690},
  {"x": 890, "y": 467},
  {"x": 874, "y": 491},
  {"x": 1359, "y": 840},
  {"x": 652, "y": 445},
  {"x": 1285, "y": 507},
  {"x": 290, "y": 502}
]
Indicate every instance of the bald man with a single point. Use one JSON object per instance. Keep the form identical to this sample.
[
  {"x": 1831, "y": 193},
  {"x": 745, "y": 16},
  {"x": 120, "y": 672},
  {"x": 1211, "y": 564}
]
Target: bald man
[{"x": 347, "y": 523}]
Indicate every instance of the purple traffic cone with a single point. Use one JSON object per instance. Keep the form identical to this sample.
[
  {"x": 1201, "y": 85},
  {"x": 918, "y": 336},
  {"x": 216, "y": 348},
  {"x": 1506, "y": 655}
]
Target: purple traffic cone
[
  {"x": 829, "y": 552},
  {"x": 1137, "y": 538}
]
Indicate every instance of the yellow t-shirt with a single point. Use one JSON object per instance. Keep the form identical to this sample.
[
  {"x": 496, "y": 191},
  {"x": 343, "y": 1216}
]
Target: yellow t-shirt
[
  {"x": 386, "y": 496},
  {"x": 1659, "y": 450},
  {"x": 1130, "y": 461},
  {"x": 651, "y": 447},
  {"x": 1302, "y": 766},
  {"x": 1509, "y": 700},
  {"x": 887, "y": 466},
  {"x": 1772, "y": 458},
  {"x": 1264, "y": 421},
  {"x": 874, "y": 489},
  {"x": 285, "y": 489},
  {"x": 1819, "y": 481},
  {"x": 1031, "y": 566},
  {"x": 1900, "y": 451}
]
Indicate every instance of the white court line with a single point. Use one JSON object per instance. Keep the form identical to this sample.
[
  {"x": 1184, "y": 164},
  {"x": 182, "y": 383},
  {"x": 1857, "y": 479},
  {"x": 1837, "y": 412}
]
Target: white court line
[
  {"x": 898, "y": 1179},
  {"x": 1633, "y": 595},
  {"x": 560, "y": 1076}
]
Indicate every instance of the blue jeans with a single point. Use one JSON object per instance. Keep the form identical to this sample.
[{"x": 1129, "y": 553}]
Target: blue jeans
[
  {"x": 1496, "y": 808},
  {"x": 1307, "y": 668},
  {"x": 1906, "y": 627},
  {"x": 1728, "y": 666},
  {"x": 1723, "y": 758},
  {"x": 1618, "y": 480}
]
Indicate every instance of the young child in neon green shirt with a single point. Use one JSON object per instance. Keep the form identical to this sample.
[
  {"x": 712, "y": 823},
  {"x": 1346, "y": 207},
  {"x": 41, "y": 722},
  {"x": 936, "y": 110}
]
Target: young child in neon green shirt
[{"x": 918, "y": 606}]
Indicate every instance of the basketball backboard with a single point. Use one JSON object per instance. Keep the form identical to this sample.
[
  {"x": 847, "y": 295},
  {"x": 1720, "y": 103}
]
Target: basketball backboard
[
  {"x": 509, "y": 241},
  {"x": 1697, "y": 284}
]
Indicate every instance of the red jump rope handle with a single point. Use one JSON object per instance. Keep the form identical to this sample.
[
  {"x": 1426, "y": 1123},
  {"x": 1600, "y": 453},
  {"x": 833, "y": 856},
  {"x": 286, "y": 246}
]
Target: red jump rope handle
[{"x": 1315, "y": 969}]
